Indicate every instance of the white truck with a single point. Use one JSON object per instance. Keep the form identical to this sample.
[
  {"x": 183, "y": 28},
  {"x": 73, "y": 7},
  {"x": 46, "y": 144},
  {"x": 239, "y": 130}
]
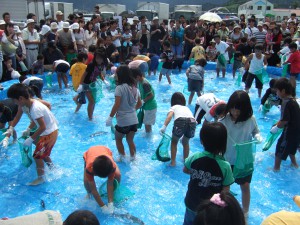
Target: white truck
[
  {"x": 52, "y": 7},
  {"x": 38, "y": 8},
  {"x": 110, "y": 10},
  {"x": 152, "y": 9},
  {"x": 188, "y": 11},
  {"x": 18, "y": 9}
]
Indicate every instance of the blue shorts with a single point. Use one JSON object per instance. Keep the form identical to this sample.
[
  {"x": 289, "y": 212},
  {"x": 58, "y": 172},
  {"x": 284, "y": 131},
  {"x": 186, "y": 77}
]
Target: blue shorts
[{"x": 165, "y": 71}]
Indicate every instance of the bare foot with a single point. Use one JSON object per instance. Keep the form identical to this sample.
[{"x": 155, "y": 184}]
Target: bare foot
[
  {"x": 37, "y": 181},
  {"x": 276, "y": 170},
  {"x": 172, "y": 164},
  {"x": 121, "y": 158},
  {"x": 295, "y": 166}
]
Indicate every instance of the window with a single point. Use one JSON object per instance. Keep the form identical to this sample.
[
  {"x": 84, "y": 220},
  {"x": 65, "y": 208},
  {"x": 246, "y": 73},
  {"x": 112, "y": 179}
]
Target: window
[
  {"x": 259, "y": 7},
  {"x": 250, "y": 7},
  {"x": 268, "y": 7}
]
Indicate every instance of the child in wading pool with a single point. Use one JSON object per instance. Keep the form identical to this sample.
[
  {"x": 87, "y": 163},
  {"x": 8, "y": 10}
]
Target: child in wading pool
[
  {"x": 184, "y": 125},
  {"x": 210, "y": 162},
  {"x": 241, "y": 127},
  {"x": 46, "y": 134}
]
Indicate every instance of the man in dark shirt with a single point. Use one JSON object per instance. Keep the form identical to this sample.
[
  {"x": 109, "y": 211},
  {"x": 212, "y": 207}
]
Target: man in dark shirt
[
  {"x": 157, "y": 36},
  {"x": 51, "y": 53},
  {"x": 111, "y": 50},
  {"x": 189, "y": 38}
]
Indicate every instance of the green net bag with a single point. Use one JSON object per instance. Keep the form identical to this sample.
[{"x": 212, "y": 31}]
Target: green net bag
[
  {"x": 49, "y": 79},
  {"x": 112, "y": 128},
  {"x": 140, "y": 116},
  {"x": 1, "y": 133},
  {"x": 271, "y": 139},
  {"x": 162, "y": 151},
  {"x": 26, "y": 152},
  {"x": 121, "y": 193},
  {"x": 232, "y": 59},
  {"x": 96, "y": 89},
  {"x": 266, "y": 107},
  {"x": 160, "y": 66},
  {"x": 71, "y": 56},
  {"x": 222, "y": 60},
  {"x": 112, "y": 82},
  {"x": 245, "y": 153},
  {"x": 238, "y": 80},
  {"x": 263, "y": 76},
  {"x": 192, "y": 61}
]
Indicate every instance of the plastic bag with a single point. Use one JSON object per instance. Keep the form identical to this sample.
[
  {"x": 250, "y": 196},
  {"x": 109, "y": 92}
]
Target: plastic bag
[
  {"x": 1, "y": 132},
  {"x": 271, "y": 139},
  {"x": 112, "y": 128},
  {"x": 26, "y": 152},
  {"x": 222, "y": 60},
  {"x": 238, "y": 80},
  {"x": 232, "y": 59},
  {"x": 121, "y": 193},
  {"x": 49, "y": 79},
  {"x": 96, "y": 89},
  {"x": 160, "y": 66},
  {"x": 162, "y": 151},
  {"x": 245, "y": 153},
  {"x": 263, "y": 76},
  {"x": 140, "y": 116},
  {"x": 266, "y": 107},
  {"x": 192, "y": 61}
]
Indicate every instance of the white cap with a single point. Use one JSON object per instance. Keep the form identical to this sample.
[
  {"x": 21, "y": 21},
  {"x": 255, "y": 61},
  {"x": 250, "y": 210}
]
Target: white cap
[
  {"x": 59, "y": 13},
  {"x": 30, "y": 21},
  {"x": 17, "y": 29},
  {"x": 135, "y": 18},
  {"x": 45, "y": 29},
  {"x": 53, "y": 26},
  {"x": 2, "y": 22},
  {"x": 75, "y": 26},
  {"x": 155, "y": 18},
  {"x": 260, "y": 24},
  {"x": 66, "y": 25}
]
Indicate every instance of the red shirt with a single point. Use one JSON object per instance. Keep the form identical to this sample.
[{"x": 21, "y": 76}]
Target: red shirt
[
  {"x": 294, "y": 60},
  {"x": 90, "y": 58}
]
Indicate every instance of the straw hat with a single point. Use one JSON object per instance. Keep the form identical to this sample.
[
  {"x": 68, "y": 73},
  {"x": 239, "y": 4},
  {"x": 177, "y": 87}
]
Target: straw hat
[
  {"x": 66, "y": 25},
  {"x": 237, "y": 26},
  {"x": 59, "y": 13},
  {"x": 45, "y": 29},
  {"x": 53, "y": 26},
  {"x": 30, "y": 21},
  {"x": 17, "y": 29},
  {"x": 135, "y": 18}
]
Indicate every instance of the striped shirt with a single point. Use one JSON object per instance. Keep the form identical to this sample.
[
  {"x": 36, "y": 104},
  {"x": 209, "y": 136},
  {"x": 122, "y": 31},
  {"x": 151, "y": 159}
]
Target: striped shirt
[{"x": 260, "y": 36}]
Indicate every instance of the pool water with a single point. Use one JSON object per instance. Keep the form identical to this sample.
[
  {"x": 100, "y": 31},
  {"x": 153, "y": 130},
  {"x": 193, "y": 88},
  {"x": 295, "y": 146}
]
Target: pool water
[{"x": 159, "y": 189}]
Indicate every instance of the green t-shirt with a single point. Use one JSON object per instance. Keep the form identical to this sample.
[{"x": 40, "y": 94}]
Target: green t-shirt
[{"x": 145, "y": 89}]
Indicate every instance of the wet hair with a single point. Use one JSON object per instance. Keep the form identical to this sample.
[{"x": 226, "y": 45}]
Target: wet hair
[
  {"x": 80, "y": 217},
  {"x": 39, "y": 57},
  {"x": 238, "y": 54},
  {"x": 82, "y": 56},
  {"x": 209, "y": 133},
  {"x": 16, "y": 91},
  {"x": 178, "y": 99},
  {"x": 220, "y": 109},
  {"x": 213, "y": 214},
  {"x": 216, "y": 36},
  {"x": 102, "y": 166},
  {"x": 101, "y": 53},
  {"x": 136, "y": 72},
  {"x": 202, "y": 62},
  {"x": 293, "y": 45},
  {"x": 272, "y": 83},
  {"x": 259, "y": 47},
  {"x": 124, "y": 75},
  {"x": 284, "y": 84},
  {"x": 34, "y": 91},
  {"x": 240, "y": 100},
  {"x": 2, "y": 107},
  {"x": 22, "y": 78},
  {"x": 197, "y": 40}
]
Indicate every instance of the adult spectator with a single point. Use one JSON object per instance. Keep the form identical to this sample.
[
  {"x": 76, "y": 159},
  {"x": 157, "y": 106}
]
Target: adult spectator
[
  {"x": 260, "y": 35},
  {"x": 284, "y": 29},
  {"x": 291, "y": 19},
  {"x": 143, "y": 22},
  {"x": 134, "y": 27},
  {"x": 176, "y": 40},
  {"x": 143, "y": 37},
  {"x": 90, "y": 34},
  {"x": 33, "y": 16},
  {"x": 10, "y": 38},
  {"x": 52, "y": 34},
  {"x": 97, "y": 9},
  {"x": 277, "y": 38},
  {"x": 209, "y": 34},
  {"x": 251, "y": 29},
  {"x": 31, "y": 40},
  {"x": 6, "y": 17},
  {"x": 190, "y": 34},
  {"x": 242, "y": 18},
  {"x": 223, "y": 32},
  {"x": 116, "y": 35},
  {"x": 246, "y": 47},
  {"x": 51, "y": 54},
  {"x": 236, "y": 35},
  {"x": 78, "y": 38},
  {"x": 44, "y": 38},
  {"x": 157, "y": 36},
  {"x": 59, "y": 19},
  {"x": 64, "y": 38}
]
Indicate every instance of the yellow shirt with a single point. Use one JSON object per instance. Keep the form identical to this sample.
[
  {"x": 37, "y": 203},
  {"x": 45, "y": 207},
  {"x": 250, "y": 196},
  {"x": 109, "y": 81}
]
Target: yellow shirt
[
  {"x": 282, "y": 218},
  {"x": 76, "y": 71},
  {"x": 199, "y": 52}
]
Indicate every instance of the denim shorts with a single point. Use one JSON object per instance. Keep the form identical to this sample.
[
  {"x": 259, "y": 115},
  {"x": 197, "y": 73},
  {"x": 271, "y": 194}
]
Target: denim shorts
[{"x": 184, "y": 127}]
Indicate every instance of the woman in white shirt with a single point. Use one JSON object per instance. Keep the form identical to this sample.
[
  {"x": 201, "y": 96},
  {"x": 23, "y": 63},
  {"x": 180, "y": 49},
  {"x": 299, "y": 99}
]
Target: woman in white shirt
[
  {"x": 90, "y": 34},
  {"x": 78, "y": 38}
]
